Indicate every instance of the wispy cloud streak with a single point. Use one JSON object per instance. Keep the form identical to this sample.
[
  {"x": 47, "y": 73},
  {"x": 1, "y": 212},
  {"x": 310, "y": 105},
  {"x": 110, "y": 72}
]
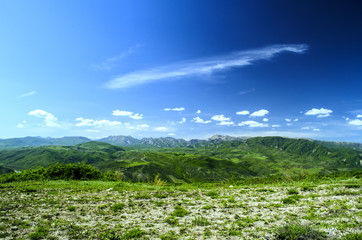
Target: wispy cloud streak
[
  {"x": 111, "y": 62},
  {"x": 28, "y": 94},
  {"x": 203, "y": 66}
]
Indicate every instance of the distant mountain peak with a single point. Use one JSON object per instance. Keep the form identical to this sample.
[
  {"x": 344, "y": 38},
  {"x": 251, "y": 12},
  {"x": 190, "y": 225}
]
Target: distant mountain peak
[{"x": 226, "y": 138}]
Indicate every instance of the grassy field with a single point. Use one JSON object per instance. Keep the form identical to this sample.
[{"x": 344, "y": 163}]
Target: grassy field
[{"x": 326, "y": 209}]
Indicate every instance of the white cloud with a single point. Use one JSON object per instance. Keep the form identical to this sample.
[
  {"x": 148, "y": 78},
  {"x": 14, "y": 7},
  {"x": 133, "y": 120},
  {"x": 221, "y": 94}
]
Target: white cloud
[
  {"x": 252, "y": 124},
  {"x": 265, "y": 120},
  {"x": 244, "y": 112},
  {"x": 136, "y": 116},
  {"x": 49, "y": 119},
  {"x": 220, "y": 118},
  {"x": 306, "y": 128},
  {"x": 316, "y": 129},
  {"x": 198, "y": 111},
  {"x": 199, "y": 120},
  {"x": 28, "y": 94},
  {"x": 276, "y": 125},
  {"x": 183, "y": 120},
  {"x": 21, "y": 125},
  {"x": 296, "y": 120},
  {"x": 359, "y": 116},
  {"x": 161, "y": 129},
  {"x": 179, "y": 109},
  {"x": 143, "y": 126},
  {"x": 323, "y": 112},
  {"x": 121, "y": 113},
  {"x": 82, "y": 122},
  {"x": 226, "y": 123},
  {"x": 288, "y": 119},
  {"x": 171, "y": 134},
  {"x": 203, "y": 66},
  {"x": 132, "y": 115},
  {"x": 260, "y": 113},
  {"x": 355, "y": 122}
]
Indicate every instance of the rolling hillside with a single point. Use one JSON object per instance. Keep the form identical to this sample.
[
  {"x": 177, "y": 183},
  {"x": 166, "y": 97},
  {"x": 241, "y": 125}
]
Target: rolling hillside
[{"x": 212, "y": 160}]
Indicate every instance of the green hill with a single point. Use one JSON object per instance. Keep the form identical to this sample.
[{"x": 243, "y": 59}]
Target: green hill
[
  {"x": 37, "y": 141},
  {"x": 90, "y": 153},
  {"x": 347, "y": 145},
  {"x": 214, "y": 161}
]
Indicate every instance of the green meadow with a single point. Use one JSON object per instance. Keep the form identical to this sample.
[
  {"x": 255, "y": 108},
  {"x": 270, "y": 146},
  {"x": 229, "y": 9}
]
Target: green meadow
[{"x": 259, "y": 188}]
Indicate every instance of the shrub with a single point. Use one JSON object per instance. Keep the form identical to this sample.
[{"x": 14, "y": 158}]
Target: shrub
[
  {"x": 307, "y": 188},
  {"x": 133, "y": 233},
  {"x": 207, "y": 207},
  {"x": 142, "y": 196},
  {"x": 353, "y": 236},
  {"x": 158, "y": 181},
  {"x": 71, "y": 208},
  {"x": 59, "y": 171},
  {"x": 296, "y": 231},
  {"x": 171, "y": 235},
  {"x": 292, "y": 191},
  {"x": 179, "y": 212},
  {"x": 112, "y": 176},
  {"x": 289, "y": 200},
  {"x": 172, "y": 221},
  {"x": 39, "y": 233},
  {"x": 117, "y": 207},
  {"x": 200, "y": 221},
  {"x": 212, "y": 194},
  {"x": 72, "y": 171}
]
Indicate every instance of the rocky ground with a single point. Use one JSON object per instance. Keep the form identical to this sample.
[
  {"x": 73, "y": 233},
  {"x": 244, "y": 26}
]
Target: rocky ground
[{"x": 111, "y": 210}]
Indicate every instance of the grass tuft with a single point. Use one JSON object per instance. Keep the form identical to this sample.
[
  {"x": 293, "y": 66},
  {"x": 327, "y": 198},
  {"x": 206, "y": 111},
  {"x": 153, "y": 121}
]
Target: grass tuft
[
  {"x": 296, "y": 231},
  {"x": 179, "y": 212}
]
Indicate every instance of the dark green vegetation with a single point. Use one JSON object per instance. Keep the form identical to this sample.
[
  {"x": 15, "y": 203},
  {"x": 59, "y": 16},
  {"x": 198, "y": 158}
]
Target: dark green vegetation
[
  {"x": 214, "y": 160},
  {"x": 295, "y": 231},
  {"x": 59, "y": 171},
  {"x": 4, "y": 170}
]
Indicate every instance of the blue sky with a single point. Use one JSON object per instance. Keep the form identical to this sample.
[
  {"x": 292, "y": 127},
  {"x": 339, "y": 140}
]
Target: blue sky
[{"x": 186, "y": 69}]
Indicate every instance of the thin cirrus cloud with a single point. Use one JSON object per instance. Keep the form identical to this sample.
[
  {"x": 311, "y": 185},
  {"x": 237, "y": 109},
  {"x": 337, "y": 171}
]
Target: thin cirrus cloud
[
  {"x": 201, "y": 67},
  {"x": 28, "y": 94}
]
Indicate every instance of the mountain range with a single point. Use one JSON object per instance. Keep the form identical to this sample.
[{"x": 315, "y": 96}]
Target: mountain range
[
  {"x": 176, "y": 160},
  {"x": 128, "y": 141}
]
